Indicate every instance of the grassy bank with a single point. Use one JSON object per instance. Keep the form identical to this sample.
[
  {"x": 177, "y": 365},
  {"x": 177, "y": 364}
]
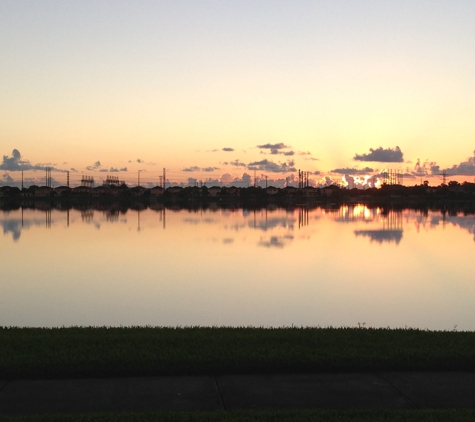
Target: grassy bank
[
  {"x": 147, "y": 351},
  {"x": 277, "y": 416}
]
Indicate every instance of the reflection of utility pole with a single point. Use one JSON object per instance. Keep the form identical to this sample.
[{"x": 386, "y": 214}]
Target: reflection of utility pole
[{"x": 138, "y": 220}]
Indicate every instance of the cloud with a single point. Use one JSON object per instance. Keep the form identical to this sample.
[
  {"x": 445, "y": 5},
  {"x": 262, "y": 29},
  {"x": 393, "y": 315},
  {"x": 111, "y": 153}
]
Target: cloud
[
  {"x": 311, "y": 159},
  {"x": 196, "y": 168},
  {"x": 139, "y": 161},
  {"x": 192, "y": 168},
  {"x": 16, "y": 163},
  {"x": 270, "y": 166},
  {"x": 275, "y": 148},
  {"x": 349, "y": 171},
  {"x": 464, "y": 168},
  {"x": 424, "y": 169},
  {"x": 228, "y": 149},
  {"x": 237, "y": 163},
  {"x": 115, "y": 170},
  {"x": 305, "y": 153},
  {"x": 95, "y": 166},
  {"x": 382, "y": 155}
]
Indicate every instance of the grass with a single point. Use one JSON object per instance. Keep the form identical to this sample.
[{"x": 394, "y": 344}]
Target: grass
[
  {"x": 271, "y": 416},
  {"x": 78, "y": 352}
]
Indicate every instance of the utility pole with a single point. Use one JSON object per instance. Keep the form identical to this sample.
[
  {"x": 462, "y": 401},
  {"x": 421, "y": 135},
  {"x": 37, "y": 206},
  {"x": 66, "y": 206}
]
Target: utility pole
[
  {"x": 138, "y": 178},
  {"x": 67, "y": 182},
  {"x": 164, "y": 178},
  {"x": 22, "y": 180}
]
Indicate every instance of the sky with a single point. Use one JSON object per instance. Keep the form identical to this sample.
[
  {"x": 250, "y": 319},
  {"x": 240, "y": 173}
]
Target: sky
[{"x": 219, "y": 91}]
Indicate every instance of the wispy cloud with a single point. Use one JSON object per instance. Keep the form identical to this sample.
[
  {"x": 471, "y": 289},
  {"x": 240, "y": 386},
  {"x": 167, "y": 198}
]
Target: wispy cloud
[
  {"x": 353, "y": 170},
  {"x": 228, "y": 149}
]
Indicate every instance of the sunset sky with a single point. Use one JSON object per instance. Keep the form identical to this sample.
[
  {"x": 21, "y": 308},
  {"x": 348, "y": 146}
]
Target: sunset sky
[{"x": 214, "y": 90}]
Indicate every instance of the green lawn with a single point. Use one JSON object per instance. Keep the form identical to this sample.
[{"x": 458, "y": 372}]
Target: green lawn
[{"x": 146, "y": 351}]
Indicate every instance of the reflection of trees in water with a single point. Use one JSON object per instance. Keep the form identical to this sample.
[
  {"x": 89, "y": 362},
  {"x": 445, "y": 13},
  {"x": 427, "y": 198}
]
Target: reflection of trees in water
[
  {"x": 87, "y": 215},
  {"x": 112, "y": 215}
]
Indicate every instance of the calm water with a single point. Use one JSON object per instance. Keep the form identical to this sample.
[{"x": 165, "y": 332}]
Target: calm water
[{"x": 219, "y": 267}]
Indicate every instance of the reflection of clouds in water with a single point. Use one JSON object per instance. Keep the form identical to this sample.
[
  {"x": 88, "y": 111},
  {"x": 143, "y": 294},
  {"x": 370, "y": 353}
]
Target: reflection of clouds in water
[
  {"x": 196, "y": 221},
  {"x": 14, "y": 226},
  {"x": 466, "y": 223},
  {"x": 276, "y": 241},
  {"x": 228, "y": 240},
  {"x": 381, "y": 236},
  {"x": 236, "y": 227},
  {"x": 193, "y": 221},
  {"x": 463, "y": 222},
  {"x": 272, "y": 223}
]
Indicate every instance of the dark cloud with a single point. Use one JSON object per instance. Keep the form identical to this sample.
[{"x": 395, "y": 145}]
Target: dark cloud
[
  {"x": 73, "y": 170},
  {"x": 270, "y": 166},
  {"x": 464, "y": 168},
  {"x": 228, "y": 149},
  {"x": 103, "y": 171},
  {"x": 316, "y": 172},
  {"x": 95, "y": 166},
  {"x": 275, "y": 148},
  {"x": 192, "y": 168},
  {"x": 237, "y": 163},
  {"x": 424, "y": 169},
  {"x": 311, "y": 159},
  {"x": 288, "y": 153},
  {"x": 196, "y": 168},
  {"x": 382, "y": 155},
  {"x": 348, "y": 171},
  {"x": 139, "y": 161},
  {"x": 116, "y": 170},
  {"x": 16, "y": 163}
]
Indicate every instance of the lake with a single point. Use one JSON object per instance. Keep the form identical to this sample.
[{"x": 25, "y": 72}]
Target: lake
[{"x": 347, "y": 266}]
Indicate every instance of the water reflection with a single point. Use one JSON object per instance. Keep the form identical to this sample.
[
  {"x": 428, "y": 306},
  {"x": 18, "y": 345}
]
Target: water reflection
[
  {"x": 387, "y": 224},
  {"x": 163, "y": 265}
]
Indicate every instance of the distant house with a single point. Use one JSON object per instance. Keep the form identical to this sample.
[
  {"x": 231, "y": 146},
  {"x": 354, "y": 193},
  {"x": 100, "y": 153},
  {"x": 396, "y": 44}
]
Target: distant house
[
  {"x": 271, "y": 190},
  {"x": 81, "y": 191},
  {"x": 137, "y": 191},
  {"x": 290, "y": 190},
  {"x": 330, "y": 190},
  {"x": 157, "y": 191},
  {"x": 309, "y": 191},
  {"x": 174, "y": 190},
  {"x": 101, "y": 191},
  {"x": 61, "y": 190},
  {"x": 214, "y": 191},
  {"x": 233, "y": 191},
  {"x": 43, "y": 191}
]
